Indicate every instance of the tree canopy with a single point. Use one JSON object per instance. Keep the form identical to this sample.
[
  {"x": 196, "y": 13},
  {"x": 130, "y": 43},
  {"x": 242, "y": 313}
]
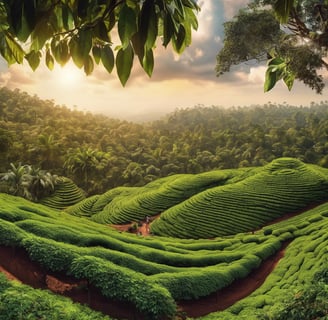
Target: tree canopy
[
  {"x": 83, "y": 30},
  {"x": 291, "y": 35},
  {"x": 99, "y": 153}
]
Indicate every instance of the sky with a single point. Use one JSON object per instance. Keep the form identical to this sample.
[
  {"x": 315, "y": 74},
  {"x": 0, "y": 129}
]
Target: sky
[{"x": 178, "y": 81}]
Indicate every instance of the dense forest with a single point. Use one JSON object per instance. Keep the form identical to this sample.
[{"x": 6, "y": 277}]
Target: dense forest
[{"x": 99, "y": 153}]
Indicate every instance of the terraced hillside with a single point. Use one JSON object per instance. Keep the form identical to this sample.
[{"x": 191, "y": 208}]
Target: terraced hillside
[
  {"x": 66, "y": 194},
  {"x": 155, "y": 274},
  {"x": 216, "y": 203}
]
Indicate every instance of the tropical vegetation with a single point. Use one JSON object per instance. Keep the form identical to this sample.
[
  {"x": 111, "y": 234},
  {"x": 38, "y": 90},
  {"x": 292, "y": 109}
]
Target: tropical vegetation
[
  {"x": 291, "y": 35},
  {"x": 99, "y": 153}
]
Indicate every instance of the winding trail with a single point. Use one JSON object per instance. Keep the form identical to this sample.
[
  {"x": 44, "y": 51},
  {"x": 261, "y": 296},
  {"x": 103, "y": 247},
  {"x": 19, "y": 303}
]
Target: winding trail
[{"x": 238, "y": 290}]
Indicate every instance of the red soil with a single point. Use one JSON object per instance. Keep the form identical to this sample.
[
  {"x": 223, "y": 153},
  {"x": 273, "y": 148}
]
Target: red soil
[
  {"x": 15, "y": 263},
  {"x": 239, "y": 289}
]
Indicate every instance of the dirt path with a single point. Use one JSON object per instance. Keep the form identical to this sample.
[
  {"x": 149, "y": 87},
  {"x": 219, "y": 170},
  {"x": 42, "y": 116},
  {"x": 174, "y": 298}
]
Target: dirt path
[{"x": 239, "y": 289}]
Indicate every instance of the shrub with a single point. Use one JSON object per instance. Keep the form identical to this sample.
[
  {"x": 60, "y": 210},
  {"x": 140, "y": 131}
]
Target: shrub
[
  {"x": 10, "y": 235},
  {"x": 125, "y": 285},
  {"x": 50, "y": 254},
  {"x": 20, "y": 302}
]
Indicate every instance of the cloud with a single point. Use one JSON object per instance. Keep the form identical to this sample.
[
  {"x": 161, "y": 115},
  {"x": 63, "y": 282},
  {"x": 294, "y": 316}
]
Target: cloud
[
  {"x": 16, "y": 76},
  {"x": 231, "y": 7}
]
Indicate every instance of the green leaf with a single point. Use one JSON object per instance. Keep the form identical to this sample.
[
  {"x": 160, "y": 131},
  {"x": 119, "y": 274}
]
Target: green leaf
[
  {"x": 28, "y": 20},
  {"x": 14, "y": 48},
  {"x": 50, "y": 62},
  {"x": 178, "y": 43},
  {"x": 100, "y": 31},
  {"x": 76, "y": 54},
  {"x": 88, "y": 65},
  {"x": 127, "y": 25},
  {"x": 180, "y": 8},
  {"x": 124, "y": 63},
  {"x": 148, "y": 62},
  {"x": 41, "y": 33},
  {"x": 107, "y": 58},
  {"x": 289, "y": 80},
  {"x": 148, "y": 24},
  {"x": 96, "y": 52},
  {"x": 191, "y": 18},
  {"x": 270, "y": 79},
  {"x": 282, "y": 9},
  {"x": 84, "y": 41},
  {"x": 276, "y": 61},
  {"x": 169, "y": 28},
  {"x": 60, "y": 51},
  {"x": 16, "y": 13},
  {"x": 33, "y": 59},
  {"x": 67, "y": 16},
  {"x": 138, "y": 47}
]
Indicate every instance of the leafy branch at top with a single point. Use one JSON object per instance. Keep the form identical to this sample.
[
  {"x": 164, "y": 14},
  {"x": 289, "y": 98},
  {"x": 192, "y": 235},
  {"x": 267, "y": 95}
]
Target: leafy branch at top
[{"x": 82, "y": 30}]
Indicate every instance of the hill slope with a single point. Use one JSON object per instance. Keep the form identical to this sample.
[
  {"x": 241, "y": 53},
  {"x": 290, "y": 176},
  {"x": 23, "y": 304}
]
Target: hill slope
[
  {"x": 216, "y": 203},
  {"x": 153, "y": 273}
]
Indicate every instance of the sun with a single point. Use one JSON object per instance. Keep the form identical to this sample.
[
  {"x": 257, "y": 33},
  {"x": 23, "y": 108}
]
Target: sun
[{"x": 69, "y": 75}]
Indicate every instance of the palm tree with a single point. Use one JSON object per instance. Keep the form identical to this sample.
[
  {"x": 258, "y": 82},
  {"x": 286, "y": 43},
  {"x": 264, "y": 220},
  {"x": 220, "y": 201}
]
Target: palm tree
[
  {"x": 15, "y": 179},
  {"x": 39, "y": 183},
  {"x": 28, "y": 182},
  {"x": 49, "y": 149},
  {"x": 83, "y": 160}
]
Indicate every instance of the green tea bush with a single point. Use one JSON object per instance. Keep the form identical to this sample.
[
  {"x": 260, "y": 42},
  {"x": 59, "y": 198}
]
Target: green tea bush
[
  {"x": 52, "y": 255},
  {"x": 20, "y": 302},
  {"x": 125, "y": 285},
  {"x": 10, "y": 235},
  {"x": 265, "y": 250},
  {"x": 192, "y": 285}
]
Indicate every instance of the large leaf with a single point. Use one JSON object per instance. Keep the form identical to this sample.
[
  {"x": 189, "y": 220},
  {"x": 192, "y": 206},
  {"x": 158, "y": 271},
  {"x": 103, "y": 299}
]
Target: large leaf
[
  {"x": 88, "y": 65},
  {"x": 282, "y": 9},
  {"x": 270, "y": 79},
  {"x": 148, "y": 24},
  {"x": 289, "y": 80},
  {"x": 107, "y": 58},
  {"x": 50, "y": 62},
  {"x": 178, "y": 43},
  {"x": 28, "y": 20},
  {"x": 60, "y": 51},
  {"x": 76, "y": 54},
  {"x": 14, "y": 48},
  {"x": 127, "y": 25},
  {"x": 138, "y": 46},
  {"x": 84, "y": 41},
  {"x": 67, "y": 16},
  {"x": 33, "y": 59},
  {"x": 124, "y": 63},
  {"x": 169, "y": 28},
  {"x": 41, "y": 33},
  {"x": 96, "y": 52},
  {"x": 148, "y": 62}
]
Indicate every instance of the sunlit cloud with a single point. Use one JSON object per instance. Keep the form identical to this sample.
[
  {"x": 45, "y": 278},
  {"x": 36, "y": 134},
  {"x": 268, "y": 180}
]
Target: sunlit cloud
[
  {"x": 231, "y": 7},
  {"x": 257, "y": 74}
]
